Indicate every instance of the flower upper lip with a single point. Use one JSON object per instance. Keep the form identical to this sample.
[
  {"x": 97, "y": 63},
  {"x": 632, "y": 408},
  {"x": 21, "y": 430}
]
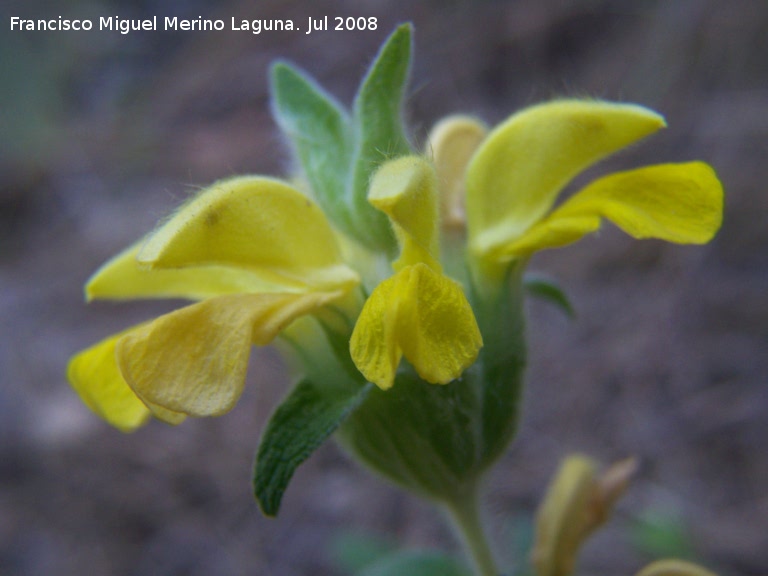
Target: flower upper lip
[
  {"x": 256, "y": 253},
  {"x": 516, "y": 174}
]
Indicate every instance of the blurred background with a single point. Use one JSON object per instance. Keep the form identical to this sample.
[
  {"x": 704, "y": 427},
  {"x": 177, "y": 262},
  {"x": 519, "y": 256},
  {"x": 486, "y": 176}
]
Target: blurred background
[{"x": 102, "y": 134}]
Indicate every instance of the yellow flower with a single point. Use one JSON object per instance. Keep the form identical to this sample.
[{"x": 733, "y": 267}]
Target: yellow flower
[
  {"x": 577, "y": 502},
  {"x": 452, "y": 142},
  {"x": 419, "y": 312},
  {"x": 256, "y": 254},
  {"x": 672, "y": 567},
  {"x": 516, "y": 175}
]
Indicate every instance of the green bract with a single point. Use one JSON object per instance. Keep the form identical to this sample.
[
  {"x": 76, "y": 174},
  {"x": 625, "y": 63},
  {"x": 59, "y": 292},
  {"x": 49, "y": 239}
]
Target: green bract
[{"x": 339, "y": 150}]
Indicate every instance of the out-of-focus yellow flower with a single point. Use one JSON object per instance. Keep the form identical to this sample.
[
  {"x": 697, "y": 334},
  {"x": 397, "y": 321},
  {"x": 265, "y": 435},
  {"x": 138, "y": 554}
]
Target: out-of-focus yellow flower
[
  {"x": 452, "y": 142},
  {"x": 577, "y": 502},
  {"x": 673, "y": 567}
]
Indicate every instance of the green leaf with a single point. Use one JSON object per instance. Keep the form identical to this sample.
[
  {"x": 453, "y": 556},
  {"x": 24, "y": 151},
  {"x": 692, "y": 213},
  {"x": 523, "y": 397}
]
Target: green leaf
[
  {"x": 412, "y": 563},
  {"x": 660, "y": 533},
  {"x": 379, "y": 127},
  {"x": 339, "y": 155},
  {"x": 548, "y": 290},
  {"x": 304, "y": 420},
  {"x": 321, "y": 134},
  {"x": 352, "y": 550}
]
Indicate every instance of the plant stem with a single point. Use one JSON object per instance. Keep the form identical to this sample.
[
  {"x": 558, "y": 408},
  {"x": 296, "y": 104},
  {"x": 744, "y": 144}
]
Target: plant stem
[{"x": 465, "y": 513}]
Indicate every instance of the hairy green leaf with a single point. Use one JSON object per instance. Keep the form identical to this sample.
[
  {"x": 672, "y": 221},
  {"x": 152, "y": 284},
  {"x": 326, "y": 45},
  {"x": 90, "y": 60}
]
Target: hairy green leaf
[
  {"x": 338, "y": 155},
  {"x": 305, "y": 419},
  {"x": 379, "y": 125},
  {"x": 321, "y": 134},
  {"x": 421, "y": 436},
  {"x": 501, "y": 363}
]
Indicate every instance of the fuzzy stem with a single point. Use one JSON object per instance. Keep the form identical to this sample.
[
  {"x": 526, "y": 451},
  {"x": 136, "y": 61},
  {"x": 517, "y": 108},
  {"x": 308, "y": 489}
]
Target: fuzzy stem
[{"x": 465, "y": 513}]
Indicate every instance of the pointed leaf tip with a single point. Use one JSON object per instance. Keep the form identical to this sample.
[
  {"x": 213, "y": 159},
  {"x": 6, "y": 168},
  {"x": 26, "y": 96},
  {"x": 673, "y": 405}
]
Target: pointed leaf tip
[
  {"x": 309, "y": 415},
  {"x": 381, "y": 135},
  {"x": 549, "y": 290}
]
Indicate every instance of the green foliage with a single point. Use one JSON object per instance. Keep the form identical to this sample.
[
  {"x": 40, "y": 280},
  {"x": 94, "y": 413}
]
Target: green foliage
[
  {"x": 548, "y": 290},
  {"x": 500, "y": 367},
  {"x": 379, "y": 123},
  {"x": 321, "y": 133},
  {"x": 304, "y": 420},
  {"x": 353, "y": 551},
  {"x": 369, "y": 555},
  {"x": 662, "y": 534},
  {"x": 412, "y": 563},
  {"x": 422, "y": 437},
  {"x": 519, "y": 537},
  {"x": 338, "y": 151}
]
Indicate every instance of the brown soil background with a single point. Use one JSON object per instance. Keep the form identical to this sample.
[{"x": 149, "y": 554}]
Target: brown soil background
[{"x": 102, "y": 134}]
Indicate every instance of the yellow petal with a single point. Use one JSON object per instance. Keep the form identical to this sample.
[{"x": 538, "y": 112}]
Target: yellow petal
[
  {"x": 515, "y": 177},
  {"x": 552, "y": 232},
  {"x": 405, "y": 189},
  {"x": 122, "y": 277},
  {"x": 674, "y": 568},
  {"x": 680, "y": 203},
  {"x": 577, "y": 502},
  {"x": 560, "y": 518},
  {"x": 261, "y": 224},
  {"x": 94, "y": 375},
  {"x": 422, "y": 315},
  {"x": 167, "y": 416},
  {"x": 452, "y": 143},
  {"x": 193, "y": 361}
]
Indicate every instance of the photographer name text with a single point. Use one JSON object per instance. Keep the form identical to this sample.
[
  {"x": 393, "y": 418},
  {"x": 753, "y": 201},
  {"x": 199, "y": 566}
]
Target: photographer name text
[{"x": 167, "y": 23}]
